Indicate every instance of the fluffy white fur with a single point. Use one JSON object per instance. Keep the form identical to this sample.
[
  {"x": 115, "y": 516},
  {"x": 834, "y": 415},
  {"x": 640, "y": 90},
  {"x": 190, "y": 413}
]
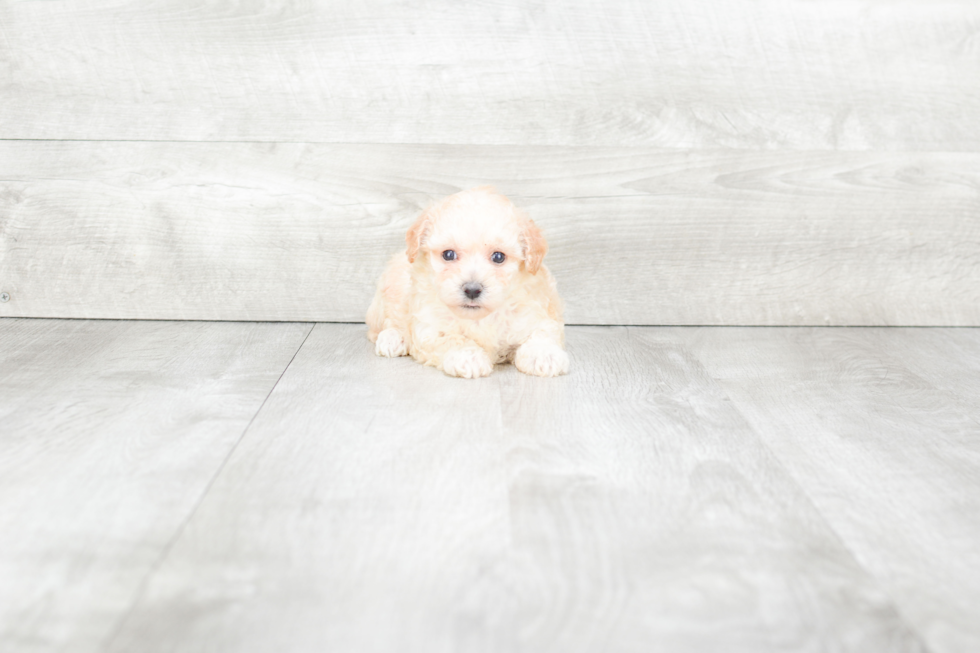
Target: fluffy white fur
[{"x": 422, "y": 308}]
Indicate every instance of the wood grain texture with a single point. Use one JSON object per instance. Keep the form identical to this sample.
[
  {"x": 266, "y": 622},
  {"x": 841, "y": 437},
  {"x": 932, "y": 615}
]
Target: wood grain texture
[
  {"x": 638, "y": 236},
  {"x": 377, "y": 505},
  {"x": 881, "y": 428},
  {"x": 109, "y": 435},
  {"x": 679, "y": 73}
]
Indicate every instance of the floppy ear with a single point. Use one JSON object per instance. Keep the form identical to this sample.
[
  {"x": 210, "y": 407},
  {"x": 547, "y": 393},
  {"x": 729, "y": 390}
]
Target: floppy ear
[
  {"x": 535, "y": 246},
  {"x": 416, "y": 234}
]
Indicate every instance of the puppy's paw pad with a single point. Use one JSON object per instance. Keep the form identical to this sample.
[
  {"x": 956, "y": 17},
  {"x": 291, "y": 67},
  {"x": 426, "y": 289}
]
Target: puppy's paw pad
[
  {"x": 390, "y": 344},
  {"x": 468, "y": 363},
  {"x": 541, "y": 359}
]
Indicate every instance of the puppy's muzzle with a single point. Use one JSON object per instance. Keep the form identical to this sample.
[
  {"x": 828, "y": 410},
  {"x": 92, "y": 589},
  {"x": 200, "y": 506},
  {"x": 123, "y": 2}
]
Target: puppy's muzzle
[{"x": 472, "y": 290}]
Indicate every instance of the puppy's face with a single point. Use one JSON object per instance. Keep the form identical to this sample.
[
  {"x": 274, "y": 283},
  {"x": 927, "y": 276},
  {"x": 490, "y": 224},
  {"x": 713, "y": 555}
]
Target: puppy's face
[{"x": 476, "y": 245}]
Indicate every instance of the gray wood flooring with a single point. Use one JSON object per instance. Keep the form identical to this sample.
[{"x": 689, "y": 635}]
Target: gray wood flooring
[{"x": 196, "y": 486}]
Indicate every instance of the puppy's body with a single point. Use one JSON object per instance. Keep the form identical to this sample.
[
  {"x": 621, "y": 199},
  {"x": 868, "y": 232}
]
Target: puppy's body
[{"x": 470, "y": 291}]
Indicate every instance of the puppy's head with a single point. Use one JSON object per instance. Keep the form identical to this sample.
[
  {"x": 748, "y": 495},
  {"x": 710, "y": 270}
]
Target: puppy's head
[{"x": 477, "y": 247}]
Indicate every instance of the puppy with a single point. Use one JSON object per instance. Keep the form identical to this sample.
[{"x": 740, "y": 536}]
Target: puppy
[{"x": 470, "y": 291}]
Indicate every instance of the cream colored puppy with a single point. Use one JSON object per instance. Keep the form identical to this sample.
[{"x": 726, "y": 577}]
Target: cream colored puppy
[{"x": 470, "y": 291}]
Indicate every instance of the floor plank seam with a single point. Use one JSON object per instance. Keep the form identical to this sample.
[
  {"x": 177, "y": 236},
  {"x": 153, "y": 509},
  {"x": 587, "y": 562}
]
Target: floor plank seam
[
  {"x": 964, "y": 327},
  {"x": 791, "y": 478},
  {"x": 141, "y": 588},
  {"x": 843, "y": 543}
]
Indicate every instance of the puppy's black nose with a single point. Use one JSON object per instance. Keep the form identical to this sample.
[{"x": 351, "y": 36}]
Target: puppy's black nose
[{"x": 472, "y": 290}]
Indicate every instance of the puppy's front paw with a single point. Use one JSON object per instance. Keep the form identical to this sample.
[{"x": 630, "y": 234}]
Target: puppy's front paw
[
  {"x": 541, "y": 358},
  {"x": 469, "y": 363},
  {"x": 390, "y": 344}
]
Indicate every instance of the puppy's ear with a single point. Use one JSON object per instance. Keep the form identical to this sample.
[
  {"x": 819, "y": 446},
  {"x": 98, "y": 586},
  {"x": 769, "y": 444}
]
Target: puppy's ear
[
  {"x": 416, "y": 234},
  {"x": 535, "y": 246}
]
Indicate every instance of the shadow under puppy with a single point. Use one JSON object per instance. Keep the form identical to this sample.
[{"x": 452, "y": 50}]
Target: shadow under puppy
[{"x": 470, "y": 291}]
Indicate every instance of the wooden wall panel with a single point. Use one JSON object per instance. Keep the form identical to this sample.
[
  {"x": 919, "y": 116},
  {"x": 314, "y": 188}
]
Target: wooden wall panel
[
  {"x": 694, "y": 162},
  {"x": 638, "y": 235},
  {"x": 757, "y": 74}
]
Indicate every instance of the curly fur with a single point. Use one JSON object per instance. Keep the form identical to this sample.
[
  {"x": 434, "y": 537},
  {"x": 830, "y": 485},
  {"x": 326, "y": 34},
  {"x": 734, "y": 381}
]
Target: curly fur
[{"x": 421, "y": 307}]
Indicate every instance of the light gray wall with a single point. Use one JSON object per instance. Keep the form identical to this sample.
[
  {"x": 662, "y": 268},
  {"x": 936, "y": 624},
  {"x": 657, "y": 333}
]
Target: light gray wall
[{"x": 706, "y": 162}]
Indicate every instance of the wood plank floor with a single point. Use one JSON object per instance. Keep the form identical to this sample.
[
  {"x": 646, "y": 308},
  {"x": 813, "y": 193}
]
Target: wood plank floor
[
  {"x": 195, "y": 486},
  {"x": 110, "y": 433}
]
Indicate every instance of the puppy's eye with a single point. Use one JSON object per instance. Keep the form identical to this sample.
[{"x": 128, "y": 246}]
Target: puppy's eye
[
  {"x": 449, "y": 255},
  {"x": 498, "y": 257}
]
